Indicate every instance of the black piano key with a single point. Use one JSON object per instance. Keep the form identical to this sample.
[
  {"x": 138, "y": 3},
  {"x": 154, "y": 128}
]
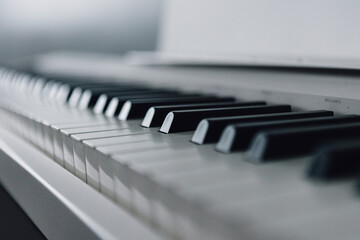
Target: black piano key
[
  {"x": 90, "y": 96},
  {"x": 97, "y": 86},
  {"x": 103, "y": 101},
  {"x": 155, "y": 115},
  {"x": 116, "y": 103},
  {"x": 209, "y": 130},
  {"x": 68, "y": 88},
  {"x": 77, "y": 92},
  {"x": 134, "y": 109},
  {"x": 336, "y": 160},
  {"x": 237, "y": 137},
  {"x": 282, "y": 143},
  {"x": 187, "y": 120}
]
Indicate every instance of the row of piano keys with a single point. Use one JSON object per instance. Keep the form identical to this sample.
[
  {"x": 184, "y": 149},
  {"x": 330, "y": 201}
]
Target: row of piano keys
[{"x": 173, "y": 155}]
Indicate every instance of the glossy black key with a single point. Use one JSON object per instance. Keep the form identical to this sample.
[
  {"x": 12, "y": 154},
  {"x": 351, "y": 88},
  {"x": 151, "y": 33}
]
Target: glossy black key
[
  {"x": 237, "y": 137},
  {"x": 68, "y": 88},
  {"x": 155, "y": 115},
  {"x": 77, "y": 92},
  {"x": 282, "y": 143},
  {"x": 104, "y": 100},
  {"x": 90, "y": 96},
  {"x": 116, "y": 103},
  {"x": 137, "y": 108},
  {"x": 65, "y": 91},
  {"x": 209, "y": 130},
  {"x": 187, "y": 120},
  {"x": 336, "y": 161}
]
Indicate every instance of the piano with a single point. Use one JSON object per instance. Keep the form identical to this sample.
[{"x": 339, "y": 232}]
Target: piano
[{"x": 171, "y": 145}]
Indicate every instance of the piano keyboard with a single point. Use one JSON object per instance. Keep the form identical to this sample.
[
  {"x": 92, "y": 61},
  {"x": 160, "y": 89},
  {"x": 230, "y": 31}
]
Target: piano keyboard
[{"x": 197, "y": 166}]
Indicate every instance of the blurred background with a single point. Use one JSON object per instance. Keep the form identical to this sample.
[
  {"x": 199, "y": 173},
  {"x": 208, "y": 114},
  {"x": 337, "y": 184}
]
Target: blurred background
[
  {"x": 108, "y": 26},
  {"x": 231, "y": 28}
]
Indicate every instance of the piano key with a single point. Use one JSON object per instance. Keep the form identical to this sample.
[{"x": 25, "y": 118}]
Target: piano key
[
  {"x": 275, "y": 144},
  {"x": 118, "y": 140},
  {"x": 112, "y": 144},
  {"x": 335, "y": 161},
  {"x": 73, "y": 144},
  {"x": 146, "y": 171},
  {"x": 105, "y": 164},
  {"x": 63, "y": 94},
  {"x": 295, "y": 208},
  {"x": 134, "y": 109},
  {"x": 155, "y": 116},
  {"x": 209, "y": 130},
  {"x": 104, "y": 100},
  {"x": 75, "y": 97},
  {"x": 122, "y": 160},
  {"x": 187, "y": 120},
  {"x": 117, "y": 103},
  {"x": 47, "y": 87},
  {"x": 78, "y": 91},
  {"x": 101, "y": 158},
  {"x": 65, "y": 91},
  {"x": 35, "y": 85},
  {"x": 124, "y": 146},
  {"x": 90, "y": 96},
  {"x": 237, "y": 137},
  {"x": 63, "y": 146},
  {"x": 252, "y": 182},
  {"x": 57, "y": 138},
  {"x": 121, "y": 179}
]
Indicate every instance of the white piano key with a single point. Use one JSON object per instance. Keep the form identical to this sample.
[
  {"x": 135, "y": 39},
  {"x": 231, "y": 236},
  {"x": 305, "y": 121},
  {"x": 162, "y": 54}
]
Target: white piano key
[
  {"x": 45, "y": 138},
  {"x": 39, "y": 135},
  {"x": 164, "y": 217},
  {"x": 142, "y": 198},
  {"x": 116, "y": 140},
  {"x": 62, "y": 94},
  {"x": 106, "y": 184},
  {"x": 58, "y": 145},
  {"x": 143, "y": 205},
  {"x": 258, "y": 182},
  {"x": 122, "y": 188},
  {"x": 188, "y": 229},
  {"x": 137, "y": 146},
  {"x": 48, "y": 139},
  {"x": 90, "y": 144},
  {"x": 106, "y": 164},
  {"x": 79, "y": 160},
  {"x": 67, "y": 135},
  {"x": 92, "y": 172},
  {"x": 100, "y": 104},
  {"x": 68, "y": 153},
  {"x": 318, "y": 205},
  {"x": 110, "y": 111},
  {"x": 58, "y": 139},
  {"x": 75, "y": 97},
  {"x": 92, "y": 168},
  {"x": 121, "y": 178},
  {"x": 53, "y": 91}
]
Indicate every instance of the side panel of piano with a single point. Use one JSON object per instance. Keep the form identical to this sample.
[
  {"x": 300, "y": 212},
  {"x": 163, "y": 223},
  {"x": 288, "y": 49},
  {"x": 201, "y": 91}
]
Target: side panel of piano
[{"x": 120, "y": 173}]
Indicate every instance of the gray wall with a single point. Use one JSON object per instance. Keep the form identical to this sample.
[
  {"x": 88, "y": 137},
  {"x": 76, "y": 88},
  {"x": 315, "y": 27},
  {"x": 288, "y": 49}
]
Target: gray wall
[{"x": 110, "y": 26}]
